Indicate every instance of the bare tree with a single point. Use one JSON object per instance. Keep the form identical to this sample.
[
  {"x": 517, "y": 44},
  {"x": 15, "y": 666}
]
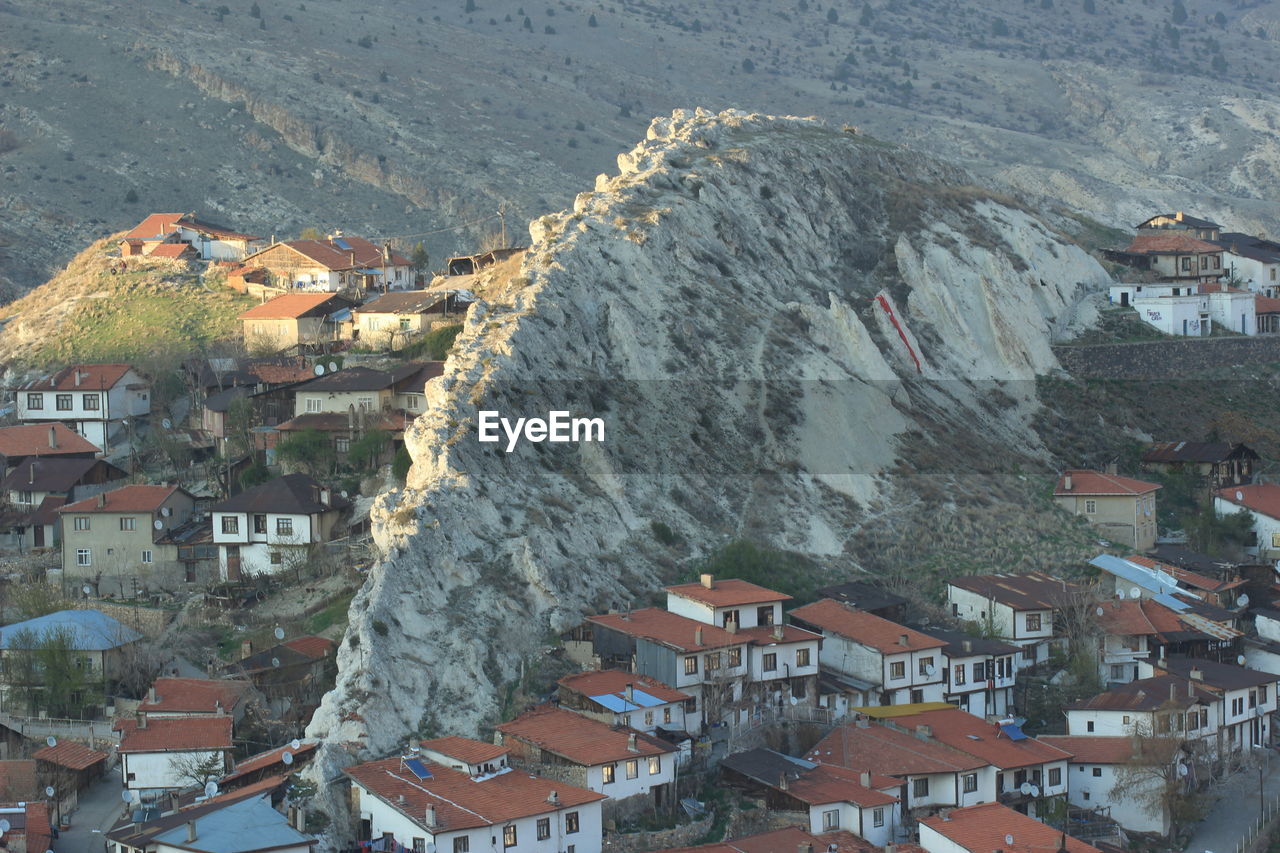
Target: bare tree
[
  {"x": 198, "y": 768},
  {"x": 1160, "y": 776}
]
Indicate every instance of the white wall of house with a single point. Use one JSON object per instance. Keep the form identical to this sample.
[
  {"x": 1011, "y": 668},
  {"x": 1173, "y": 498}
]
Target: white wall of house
[
  {"x": 1257, "y": 276},
  {"x": 947, "y": 789},
  {"x": 669, "y": 716},
  {"x": 991, "y": 694},
  {"x": 1234, "y": 311},
  {"x": 94, "y": 413},
  {"x": 1261, "y": 659},
  {"x": 852, "y": 818},
  {"x": 936, "y": 842},
  {"x": 266, "y": 551},
  {"x": 747, "y": 615},
  {"x": 312, "y": 402},
  {"x": 159, "y": 771},
  {"x": 787, "y": 660},
  {"x": 1093, "y": 785},
  {"x": 644, "y": 781},
  {"x": 1266, "y": 527},
  {"x": 1176, "y": 315},
  {"x": 386, "y": 819},
  {"x": 973, "y": 607}
]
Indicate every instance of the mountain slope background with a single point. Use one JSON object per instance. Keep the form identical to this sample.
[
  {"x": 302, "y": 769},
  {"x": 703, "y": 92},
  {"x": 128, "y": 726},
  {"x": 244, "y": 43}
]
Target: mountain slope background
[{"x": 418, "y": 120}]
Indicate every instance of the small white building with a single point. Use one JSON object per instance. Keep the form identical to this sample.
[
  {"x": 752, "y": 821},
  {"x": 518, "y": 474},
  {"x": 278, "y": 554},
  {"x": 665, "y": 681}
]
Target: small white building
[
  {"x": 269, "y": 528},
  {"x": 166, "y": 754},
  {"x": 1262, "y": 502},
  {"x": 414, "y": 802},
  {"x": 1187, "y": 315},
  {"x": 97, "y": 401},
  {"x": 1252, "y": 261},
  {"x": 210, "y": 242},
  {"x": 1096, "y": 765},
  {"x": 905, "y": 664}
]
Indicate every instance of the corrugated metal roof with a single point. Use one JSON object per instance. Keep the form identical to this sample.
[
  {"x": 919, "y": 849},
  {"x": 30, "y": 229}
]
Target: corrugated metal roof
[{"x": 89, "y": 630}]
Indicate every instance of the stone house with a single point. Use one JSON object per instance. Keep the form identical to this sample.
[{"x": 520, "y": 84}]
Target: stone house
[
  {"x": 295, "y": 319},
  {"x": 1180, "y": 222},
  {"x": 1121, "y": 508}
]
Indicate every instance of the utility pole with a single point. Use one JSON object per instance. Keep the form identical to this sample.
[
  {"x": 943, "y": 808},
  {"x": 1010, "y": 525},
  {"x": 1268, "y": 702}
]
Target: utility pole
[{"x": 502, "y": 217}]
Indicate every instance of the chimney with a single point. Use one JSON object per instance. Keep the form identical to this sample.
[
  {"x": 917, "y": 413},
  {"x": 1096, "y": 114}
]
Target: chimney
[
  {"x": 891, "y": 848},
  {"x": 400, "y": 799},
  {"x": 554, "y": 797},
  {"x": 630, "y": 693},
  {"x": 151, "y": 695},
  {"x": 430, "y": 817},
  {"x": 697, "y": 636},
  {"x": 1191, "y": 691},
  {"x": 1196, "y": 674},
  {"x": 864, "y": 779},
  {"x": 1173, "y": 691},
  {"x": 804, "y": 847},
  {"x": 904, "y": 640},
  {"x": 191, "y": 831},
  {"x": 945, "y": 814},
  {"x": 967, "y": 645},
  {"x": 246, "y": 648},
  {"x": 731, "y": 627},
  {"x": 924, "y": 732},
  {"x": 1112, "y": 469},
  {"x": 631, "y": 743},
  {"x": 778, "y": 633},
  {"x": 1066, "y": 482},
  {"x": 217, "y": 707},
  {"x": 77, "y": 375},
  {"x": 142, "y": 719},
  {"x": 862, "y": 722},
  {"x": 783, "y": 784},
  {"x": 102, "y": 499},
  {"x": 31, "y": 473},
  {"x": 707, "y": 580}
]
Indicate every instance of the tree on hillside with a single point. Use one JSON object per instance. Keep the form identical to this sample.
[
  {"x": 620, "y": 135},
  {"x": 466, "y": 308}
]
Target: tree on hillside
[
  {"x": 366, "y": 452},
  {"x": 419, "y": 259},
  {"x": 308, "y": 451},
  {"x": 1179, "y": 12},
  {"x": 310, "y": 233}
]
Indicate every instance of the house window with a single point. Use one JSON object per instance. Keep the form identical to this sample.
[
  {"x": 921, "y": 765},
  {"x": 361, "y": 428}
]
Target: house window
[
  {"x": 570, "y": 823},
  {"x": 607, "y": 772},
  {"x": 365, "y": 403},
  {"x": 1033, "y": 621},
  {"x": 230, "y": 524},
  {"x": 82, "y": 522},
  {"x": 735, "y": 658},
  {"x": 91, "y": 402},
  {"x": 277, "y": 559},
  {"x": 314, "y": 405},
  {"x": 25, "y": 498},
  {"x": 62, "y": 402},
  {"x": 980, "y": 671},
  {"x": 1117, "y": 671},
  {"x": 713, "y": 662},
  {"x": 1090, "y": 507},
  {"x": 1055, "y": 776},
  {"x": 128, "y": 522},
  {"x": 1193, "y": 721},
  {"x": 926, "y": 664},
  {"x": 342, "y": 445},
  {"x": 897, "y": 669},
  {"x": 284, "y": 526},
  {"x": 691, "y": 665},
  {"x": 1253, "y": 700},
  {"x": 260, "y": 524},
  {"x": 655, "y": 765},
  {"x": 509, "y": 835},
  {"x": 764, "y": 615},
  {"x": 1262, "y": 695},
  {"x": 731, "y": 618},
  {"x": 770, "y": 662},
  {"x": 802, "y": 657},
  {"x": 146, "y": 556},
  {"x": 830, "y": 820},
  {"x": 544, "y": 828},
  {"x": 1097, "y": 771},
  {"x": 666, "y": 715},
  {"x": 648, "y": 718},
  {"x": 462, "y": 844},
  {"x": 970, "y": 782},
  {"x": 84, "y": 557},
  {"x": 1088, "y": 726},
  {"x": 958, "y": 674},
  {"x": 412, "y": 402},
  {"x": 1237, "y": 706},
  {"x": 419, "y": 845},
  {"x": 1186, "y": 265},
  {"x": 877, "y": 817},
  {"x": 920, "y": 788},
  {"x": 35, "y": 401},
  {"x": 633, "y": 768},
  {"x": 1204, "y": 262},
  {"x": 404, "y": 321}
]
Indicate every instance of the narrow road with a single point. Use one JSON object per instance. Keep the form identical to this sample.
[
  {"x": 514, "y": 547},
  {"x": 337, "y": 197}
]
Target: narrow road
[
  {"x": 100, "y": 807},
  {"x": 1236, "y": 806}
]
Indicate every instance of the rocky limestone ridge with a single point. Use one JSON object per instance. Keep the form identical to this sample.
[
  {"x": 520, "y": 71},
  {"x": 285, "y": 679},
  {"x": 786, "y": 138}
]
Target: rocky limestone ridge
[{"x": 727, "y": 303}]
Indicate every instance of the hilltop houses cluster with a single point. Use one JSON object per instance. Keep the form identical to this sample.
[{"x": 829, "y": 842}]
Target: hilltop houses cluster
[{"x": 1188, "y": 277}]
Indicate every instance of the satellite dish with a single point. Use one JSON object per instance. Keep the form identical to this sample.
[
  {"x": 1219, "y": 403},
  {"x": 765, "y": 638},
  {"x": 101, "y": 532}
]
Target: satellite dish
[
  {"x": 318, "y": 370},
  {"x": 1134, "y": 592},
  {"x": 1035, "y": 790},
  {"x": 168, "y": 424},
  {"x": 49, "y": 791},
  {"x": 794, "y": 700},
  {"x": 1120, "y": 594},
  {"x": 158, "y": 524},
  {"x": 1099, "y": 611},
  {"x": 210, "y": 788},
  {"x": 275, "y": 661},
  {"x": 431, "y": 847},
  {"x": 1243, "y": 600},
  {"x": 343, "y": 493},
  {"x": 1008, "y": 839},
  {"x": 87, "y": 590},
  {"x": 4, "y": 826},
  {"x": 333, "y": 366},
  {"x": 51, "y": 740},
  {"x": 287, "y": 758},
  {"x": 1240, "y": 659},
  {"x": 295, "y": 744},
  {"x": 930, "y": 670},
  {"x": 279, "y": 632},
  {"x": 126, "y": 795},
  {"x": 1026, "y": 788},
  {"x": 1182, "y": 770},
  {"x": 1239, "y": 495},
  {"x": 135, "y": 797},
  {"x": 166, "y": 511}
]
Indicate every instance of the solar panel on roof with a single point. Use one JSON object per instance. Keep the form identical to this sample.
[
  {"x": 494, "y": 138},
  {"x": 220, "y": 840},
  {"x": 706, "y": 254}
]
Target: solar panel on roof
[
  {"x": 1013, "y": 732},
  {"x": 341, "y": 243},
  {"x": 417, "y": 768}
]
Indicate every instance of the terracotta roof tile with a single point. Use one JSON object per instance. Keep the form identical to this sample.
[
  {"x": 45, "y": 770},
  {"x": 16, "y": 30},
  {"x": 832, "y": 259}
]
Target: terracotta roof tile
[
  {"x": 668, "y": 629},
  {"x": 195, "y": 695},
  {"x": 614, "y": 682},
  {"x": 1168, "y": 244},
  {"x": 93, "y": 377},
  {"x": 1147, "y": 694},
  {"x": 1093, "y": 750},
  {"x": 790, "y": 839},
  {"x": 33, "y": 440},
  {"x": 175, "y": 734},
  {"x": 465, "y": 749},
  {"x": 460, "y": 801},
  {"x": 1263, "y": 498},
  {"x": 312, "y": 646},
  {"x": 727, "y": 593},
  {"x": 982, "y": 829},
  {"x": 18, "y": 780},
  {"x": 880, "y": 749},
  {"x": 69, "y": 754},
  {"x": 290, "y": 306},
  {"x": 1085, "y": 482},
  {"x": 172, "y": 251},
  {"x": 973, "y": 735},
  {"x": 271, "y": 758},
  {"x": 864, "y": 628},
  {"x": 1032, "y": 591},
  {"x": 124, "y": 499},
  {"x": 580, "y": 739},
  {"x": 1266, "y": 305}
]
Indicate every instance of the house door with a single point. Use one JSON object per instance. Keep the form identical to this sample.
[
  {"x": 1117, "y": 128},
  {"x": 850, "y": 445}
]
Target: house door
[
  {"x": 1124, "y": 299},
  {"x": 1184, "y": 327},
  {"x": 1243, "y": 328},
  {"x": 39, "y": 536},
  {"x": 233, "y": 562}
]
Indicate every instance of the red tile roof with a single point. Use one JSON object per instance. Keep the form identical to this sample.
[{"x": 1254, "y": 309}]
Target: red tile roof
[
  {"x": 880, "y": 749},
  {"x": 580, "y": 739},
  {"x": 159, "y": 225},
  {"x": 615, "y": 681},
  {"x": 727, "y": 593},
  {"x": 171, "y": 250},
  {"x": 465, "y": 749},
  {"x": 93, "y": 377},
  {"x": 828, "y": 783},
  {"x": 330, "y": 255},
  {"x": 124, "y": 499},
  {"x": 1186, "y": 576},
  {"x": 175, "y": 734},
  {"x": 38, "y": 831},
  {"x": 460, "y": 801},
  {"x": 1085, "y": 482},
  {"x": 1266, "y": 305},
  {"x": 288, "y": 306},
  {"x": 1093, "y": 750},
  {"x": 973, "y": 735},
  {"x": 271, "y": 758},
  {"x": 69, "y": 754},
  {"x": 1168, "y": 244},
  {"x": 1263, "y": 498},
  {"x": 195, "y": 695},
  {"x": 312, "y": 646},
  {"x": 1147, "y": 694},
  {"x": 668, "y": 629},
  {"x": 18, "y": 780},
  {"x": 864, "y": 628},
  {"x": 1032, "y": 591},
  {"x": 33, "y": 440},
  {"x": 764, "y": 635},
  {"x": 982, "y": 829},
  {"x": 789, "y": 839}
]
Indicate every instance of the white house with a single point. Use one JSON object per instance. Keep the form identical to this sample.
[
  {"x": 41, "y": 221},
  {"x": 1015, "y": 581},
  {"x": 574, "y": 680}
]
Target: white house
[
  {"x": 1262, "y": 653},
  {"x": 210, "y": 242},
  {"x": 1262, "y": 502},
  {"x": 726, "y": 602},
  {"x": 1017, "y": 608},
  {"x": 1245, "y": 698},
  {"x": 1252, "y": 261},
  {"x": 1152, "y": 706},
  {"x": 990, "y": 826},
  {"x": 1097, "y": 764},
  {"x": 905, "y": 664},
  {"x": 335, "y": 263},
  {"x": 979, "y": 673},
  {"x": 622, "y": 698},
  {"x": 97, "y": 401},
  {"x": 618, "y": 762},
  {"x": 269, "y": 528},
  {"x": 473, "y": 757},
  {"x": 166, "y": 754},
  {"x": 415, "y": 802},
  {"x": 1187, "y": 315}
]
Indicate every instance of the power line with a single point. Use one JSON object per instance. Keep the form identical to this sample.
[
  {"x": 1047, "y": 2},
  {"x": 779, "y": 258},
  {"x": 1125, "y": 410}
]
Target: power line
[{"x": 480, "y": 221}]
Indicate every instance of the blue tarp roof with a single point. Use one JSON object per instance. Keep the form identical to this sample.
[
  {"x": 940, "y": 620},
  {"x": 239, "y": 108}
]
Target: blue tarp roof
[
  {"x": 246, "y": 825},
  {"x": 618, "y": 704},
  {"x": 341, "y": 316},
  {"x": 1152, "y": 580},
  {"x": 90, "y": 630}
]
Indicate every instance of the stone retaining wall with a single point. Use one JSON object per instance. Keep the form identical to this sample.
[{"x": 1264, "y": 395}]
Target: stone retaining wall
[{"x": 1172, "y": 359}]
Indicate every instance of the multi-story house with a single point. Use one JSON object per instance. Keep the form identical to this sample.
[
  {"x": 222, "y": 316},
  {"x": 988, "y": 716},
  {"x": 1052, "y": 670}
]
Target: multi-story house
[
  {"x": 1121, "y": 508},
  {"x": 209, "y": 241},
  {"x": 170, "y": 753},
  {"x": 1252, "y": 261},
  {"x": 97, "y": 401},
  {"x": 1096, "y": 778},
  {"x": 37, "y": 487},
  {"x": 1245, "y": 698},
  {"x": 102, "y": 647},
  {"x": 1017, "y": 608},
  {"x": 905, "y": 665},
  {"x": 272, "y": 527},
  {"x": 18, "y": 443},
  {"x": 1217, "y": 463},
  {"x": 979, "y": 673},
  {"x": 616, "y": 761},
  {"x": 623, "y": 698},
  {"x": 1135, "y": 630},
  {"x": 991, "y": 826},
  {"x": 1262, "y": 502},
  {"x": 117, "y": 541},
  {"x": 335, "y": 263},
  {"x": 412, "y": 802},
  {"x": 1180, "y": 222},
  {"x": 1175, "y": 257}
]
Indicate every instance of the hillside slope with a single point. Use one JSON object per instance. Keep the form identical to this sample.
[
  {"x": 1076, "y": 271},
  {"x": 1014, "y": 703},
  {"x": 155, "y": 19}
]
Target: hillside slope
[{"x": 724, "y": 304}]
